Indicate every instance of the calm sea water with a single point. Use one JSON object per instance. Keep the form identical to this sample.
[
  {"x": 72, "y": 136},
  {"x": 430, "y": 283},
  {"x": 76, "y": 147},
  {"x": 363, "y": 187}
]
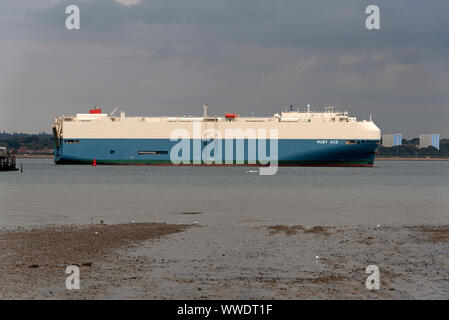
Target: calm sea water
[{"x": 393, "y": 193}]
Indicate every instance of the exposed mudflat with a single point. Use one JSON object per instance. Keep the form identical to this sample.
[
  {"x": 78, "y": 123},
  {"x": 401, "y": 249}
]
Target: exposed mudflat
[
  {"x": 33, "y": 261},
  {"x": 243, "y": 261}
]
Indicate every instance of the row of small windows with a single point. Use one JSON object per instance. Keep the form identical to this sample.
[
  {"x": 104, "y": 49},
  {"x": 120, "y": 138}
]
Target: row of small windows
[
  {"x": 145, "y": 152},
  {"x": 152, "y": 152},
  {"x": 71, "y": 141},
  {"x": 165, "y": 152},
  {"x": 360, "y": 141}
]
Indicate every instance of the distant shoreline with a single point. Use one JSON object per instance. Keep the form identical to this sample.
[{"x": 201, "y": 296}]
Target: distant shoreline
[{"x": 44, "y": 156}]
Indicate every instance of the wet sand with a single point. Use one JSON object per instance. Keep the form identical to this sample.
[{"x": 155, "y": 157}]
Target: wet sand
[
  {"x": 242, "y": 261},
  {"x": 33, "y": 261}
]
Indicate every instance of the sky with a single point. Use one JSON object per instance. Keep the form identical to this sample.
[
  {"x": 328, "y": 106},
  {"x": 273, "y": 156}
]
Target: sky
[{"x": 167, "y": 57}]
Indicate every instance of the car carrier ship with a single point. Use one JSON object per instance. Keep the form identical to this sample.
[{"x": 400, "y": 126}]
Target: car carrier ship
[{"x": 305, "y": 138}]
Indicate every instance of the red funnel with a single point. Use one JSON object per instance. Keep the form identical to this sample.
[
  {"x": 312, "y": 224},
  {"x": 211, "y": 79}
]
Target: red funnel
[{"x": 94, "y": 163}]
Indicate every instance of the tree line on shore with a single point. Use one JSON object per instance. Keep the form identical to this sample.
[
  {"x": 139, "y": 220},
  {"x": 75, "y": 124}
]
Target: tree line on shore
[
  {"x": 410, "y": 149},
  {"x": 25, "y": 142}
]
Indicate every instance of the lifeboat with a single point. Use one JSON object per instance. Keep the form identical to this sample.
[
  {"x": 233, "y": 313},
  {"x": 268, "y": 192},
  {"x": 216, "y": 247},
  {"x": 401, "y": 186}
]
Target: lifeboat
[{"x": 230, "y": 116}]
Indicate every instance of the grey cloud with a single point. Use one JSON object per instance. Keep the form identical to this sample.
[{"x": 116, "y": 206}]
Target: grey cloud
[{"x": 169, "y": 57}]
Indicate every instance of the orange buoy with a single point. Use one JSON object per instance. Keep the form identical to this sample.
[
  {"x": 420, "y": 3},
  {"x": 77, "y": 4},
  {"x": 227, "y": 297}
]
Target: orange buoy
[{"x": 94, "y": 163}]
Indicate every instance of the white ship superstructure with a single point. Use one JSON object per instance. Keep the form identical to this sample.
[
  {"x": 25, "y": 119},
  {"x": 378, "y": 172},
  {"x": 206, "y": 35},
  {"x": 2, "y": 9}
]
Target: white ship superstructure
[{"x": 304, "y": 138}]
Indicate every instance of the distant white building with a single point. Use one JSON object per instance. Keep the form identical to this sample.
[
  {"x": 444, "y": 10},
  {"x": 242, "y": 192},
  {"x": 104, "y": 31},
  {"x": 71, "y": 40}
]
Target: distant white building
[
  {"x": 426, "y": 140},
  {"x": 391, "y": 140}
]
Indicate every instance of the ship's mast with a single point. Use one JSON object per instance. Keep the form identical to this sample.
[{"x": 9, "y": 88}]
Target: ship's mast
[{"x": 204, "y": 111}]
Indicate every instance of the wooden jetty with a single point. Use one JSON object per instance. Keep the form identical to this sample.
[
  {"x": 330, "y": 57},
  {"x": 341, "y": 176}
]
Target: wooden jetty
[{"x": 7, "y": 160}]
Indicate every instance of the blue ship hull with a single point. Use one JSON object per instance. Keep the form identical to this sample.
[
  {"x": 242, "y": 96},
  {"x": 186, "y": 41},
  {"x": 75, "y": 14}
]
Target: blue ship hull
[{"x": 327, "y": 152}]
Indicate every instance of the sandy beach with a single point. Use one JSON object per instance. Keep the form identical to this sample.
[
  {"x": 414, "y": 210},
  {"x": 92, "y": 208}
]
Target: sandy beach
[
  {"x": 33, "y": 260},
  {"x": 169, "y": 261}
]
